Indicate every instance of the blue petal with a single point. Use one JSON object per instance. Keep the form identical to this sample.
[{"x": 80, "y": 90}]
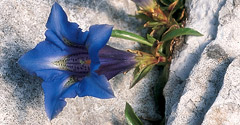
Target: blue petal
[
  {"x": 59, "y": 24},
  {"x": 96, "y": 86},
  {"x": 50, "y": 74},
  {"x": 51, "y": 36},
  {"x": 55, "y": 92},
  {"x": 43, "y": 55},
  {"x": 97, "y": 38}
]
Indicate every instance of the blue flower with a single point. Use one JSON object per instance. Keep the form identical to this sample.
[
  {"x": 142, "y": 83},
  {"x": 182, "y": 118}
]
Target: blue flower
[{"x": 74, "y": 63}]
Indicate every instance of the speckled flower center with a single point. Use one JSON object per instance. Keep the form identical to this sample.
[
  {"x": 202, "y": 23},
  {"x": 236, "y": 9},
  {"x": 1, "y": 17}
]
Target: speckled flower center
[{"x": 78, "y": 64}]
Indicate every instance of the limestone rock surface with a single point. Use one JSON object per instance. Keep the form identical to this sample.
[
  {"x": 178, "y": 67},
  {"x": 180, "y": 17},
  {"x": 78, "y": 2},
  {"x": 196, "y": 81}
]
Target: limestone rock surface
[
  {"x": 22, "y": 27},
  {"x": 226, "y": 108},
  {"x": 204, "y": 82}
]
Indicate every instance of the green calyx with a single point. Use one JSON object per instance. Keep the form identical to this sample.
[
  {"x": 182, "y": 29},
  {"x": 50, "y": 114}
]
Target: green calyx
[{"x": 145, "y": 63}]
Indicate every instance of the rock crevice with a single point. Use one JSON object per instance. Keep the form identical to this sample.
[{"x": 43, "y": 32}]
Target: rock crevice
[{"x": 219, "y": 46}]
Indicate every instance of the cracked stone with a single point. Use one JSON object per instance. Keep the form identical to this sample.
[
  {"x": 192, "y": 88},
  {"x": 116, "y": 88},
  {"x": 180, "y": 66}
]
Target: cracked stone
[
  {"x": 205, "y": 66},
  {"x": 204, "y": 19},
  {"x": 226, "y": 108}
]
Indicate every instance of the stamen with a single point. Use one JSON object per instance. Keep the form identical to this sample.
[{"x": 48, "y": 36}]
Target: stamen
[{"x": 88, "y": 62}]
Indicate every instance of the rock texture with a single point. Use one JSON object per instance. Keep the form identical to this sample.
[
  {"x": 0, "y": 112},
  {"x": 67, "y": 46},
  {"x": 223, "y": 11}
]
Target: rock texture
[
  {"x": 226, "y": 108},
  {"x": 203, "y": 86},
  {"x": 22, "y": 26}
]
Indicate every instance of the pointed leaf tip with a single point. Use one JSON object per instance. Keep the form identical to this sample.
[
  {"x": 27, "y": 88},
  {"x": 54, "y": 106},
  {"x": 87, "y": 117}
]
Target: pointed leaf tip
[
  {"x": 139, "y": 74},
  {"x": 150, "y": 38},
  {"x": 131, "y": 117}
]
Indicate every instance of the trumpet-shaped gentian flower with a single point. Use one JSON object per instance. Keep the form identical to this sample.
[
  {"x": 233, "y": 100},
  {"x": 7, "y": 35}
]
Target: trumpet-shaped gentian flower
[{"x": 72, "y": 62}]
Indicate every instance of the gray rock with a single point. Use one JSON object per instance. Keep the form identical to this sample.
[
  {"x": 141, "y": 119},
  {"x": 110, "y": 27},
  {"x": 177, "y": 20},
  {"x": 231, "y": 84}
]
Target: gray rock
[
  {"x": 22, "y": 26},
  {"x": 197, "y": 73},
  {"x": 226, "y": 108},
  {"x": 203, "y": 17}
]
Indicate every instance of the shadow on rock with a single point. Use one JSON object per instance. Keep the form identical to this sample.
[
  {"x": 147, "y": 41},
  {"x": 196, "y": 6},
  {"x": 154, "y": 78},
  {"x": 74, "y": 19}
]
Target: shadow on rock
[
  {"x": 214, "y": 86},
  {"x": 117, "y": 15},
  {"x": 27, "y": 90}
]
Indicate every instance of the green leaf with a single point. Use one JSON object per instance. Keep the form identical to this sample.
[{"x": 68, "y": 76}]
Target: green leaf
[
  {"x": 171, "y": 28},
  {"x": 160, "y": 32},
  {"x": 130, "y": 36},
  {"x": 140, "y": 73},
  {"x": 165, "y": 2},
  {"x": 179, "y": 32},
  {"x": 131, "y": 117},
  {"x": 150, "y": 38},
  {"x": 154, "y": 24},
  {"x": 156, "y": 27}
]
